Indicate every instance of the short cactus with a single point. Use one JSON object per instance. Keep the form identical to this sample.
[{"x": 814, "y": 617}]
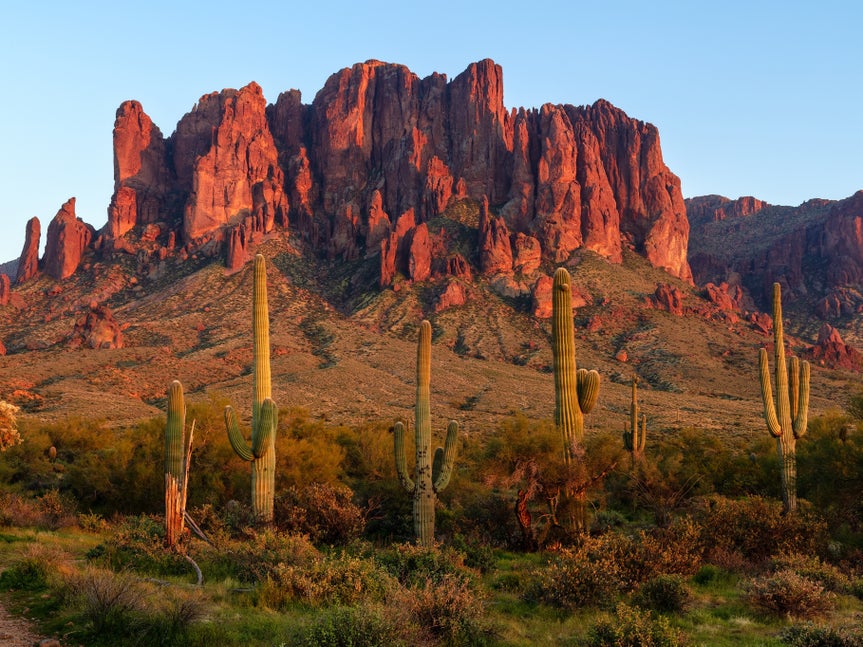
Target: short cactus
[
  {"x": 575, "y": 390},
  {"x": 432, "y": 474},
  {"x": 633, "y": 438},
  {"x": 262, "y": 453},
  {"x": 175, "y": 487},
  {"x": 787, "y": 419}
]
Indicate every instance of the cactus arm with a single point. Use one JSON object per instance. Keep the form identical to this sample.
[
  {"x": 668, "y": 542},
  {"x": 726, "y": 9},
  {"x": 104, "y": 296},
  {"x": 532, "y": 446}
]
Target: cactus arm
[
  {"x": 235, "y": 436},
  {"x": 793, "y": 385},
  {"x": 401, "y": 460},
  {"x": 801, "y": 417},
  {"x": 266, "y": 431},
  {"x": 643, "y": 439},
  {"x": 588, "y": 389},
  {"x": 767, "y": 395},
  {"x": 444, "y": 458},
  {"x": 783, "y": 402}
]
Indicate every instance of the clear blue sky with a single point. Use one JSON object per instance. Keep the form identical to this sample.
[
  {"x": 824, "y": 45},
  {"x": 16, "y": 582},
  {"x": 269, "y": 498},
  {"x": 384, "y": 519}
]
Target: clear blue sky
[{"x": 750, "y": 98}]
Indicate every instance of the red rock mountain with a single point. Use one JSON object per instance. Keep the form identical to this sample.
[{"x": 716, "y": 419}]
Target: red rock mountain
[{"x": 362, "y": 170}]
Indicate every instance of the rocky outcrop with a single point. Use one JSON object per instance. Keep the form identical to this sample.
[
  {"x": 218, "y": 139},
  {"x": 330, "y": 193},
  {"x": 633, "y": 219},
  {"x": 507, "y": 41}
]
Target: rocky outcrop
[
  {"x": 96, "y": 329},
  {"x": 495, "y": 253},
  {"x": 830, "y": 351},
  {"x": 28, "y": 263},
  {"x": 225, "y": 155},
  {"x": 419, "y": 254},
  {"x": 453, "y": 295},
  {"x": 541, "y": 293},
  {"x": 142, "y": 179},
  {"x": 67, "y": 238},
  {"x": 528, "y": 254},
  {"x": 714, "y": 208},
  {"x": 668, "y": 298},
  {"x": 5, "y": 289}
]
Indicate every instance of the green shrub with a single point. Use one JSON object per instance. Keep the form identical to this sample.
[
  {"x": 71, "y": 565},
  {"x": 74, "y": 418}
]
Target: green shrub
[
  {"x": 809, "y": 635},
  {"x": 361, "y": 626},
  {"x": 787, "y": 594},
  {"x": 632, "y": 627},
  {"x": 260, "y": 554},
  {"x": 412, "y": 564},
  {"x": 331, "y": 580},
  {"x": 138, "y": 543},
  {"x": 108, "y": 601},
  {"x": 322, "y": 511},
  {"x": 710, "y": 573},
  {"x": 754, "y": 529},
  {"x": 812, "y": 568},
  {"x": 664, "y": 594},
  {"x": 448, "y": 609}
]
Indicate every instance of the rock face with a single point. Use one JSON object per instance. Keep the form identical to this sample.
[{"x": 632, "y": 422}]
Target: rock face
[
  {"x": 377, "y": 141},
  {"x": 5, "y": 289},
  {"x": 142, "y": 180},
  {"x": 814, "y": 250},
  {"x": 224, "y": 153},
  {"x": 68, "y": 237},
  {"x": 832, "y": 352},
  {"x": 668, "y": 298},
  {"x": 28, "y": 263},
  {"x": 96, "y": 329}
]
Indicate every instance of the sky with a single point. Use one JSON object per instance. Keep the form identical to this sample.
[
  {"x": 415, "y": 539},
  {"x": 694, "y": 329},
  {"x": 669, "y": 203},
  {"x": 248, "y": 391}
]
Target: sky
[{"x": 750, "y": 97}]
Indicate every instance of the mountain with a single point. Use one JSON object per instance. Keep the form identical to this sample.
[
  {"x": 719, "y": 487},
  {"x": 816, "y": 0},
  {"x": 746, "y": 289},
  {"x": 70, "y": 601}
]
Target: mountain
[{"x": 388, "y": 199}]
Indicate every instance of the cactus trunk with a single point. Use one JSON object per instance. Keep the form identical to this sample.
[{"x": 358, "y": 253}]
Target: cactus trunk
[
  {"x": 633, "y": 438},
  {"x": 786, "y": 418},
  {"x": 575, "y": 394},
  {"x": 432, "y": 473},
  {"x": 174, "y": 469},
  {"x": 262, "y": 453}
]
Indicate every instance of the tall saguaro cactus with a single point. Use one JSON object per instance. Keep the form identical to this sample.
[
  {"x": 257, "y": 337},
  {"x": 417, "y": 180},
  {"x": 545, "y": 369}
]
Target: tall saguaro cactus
[
  {"x": 432, "y": 474},
  {"x": 575, "y": 390},
  {"x": 633, "y": 438},
  {"x": 175, "y": 485},
  {"x": 787, "y": 418},
  {"x": 262, "y": 452}
]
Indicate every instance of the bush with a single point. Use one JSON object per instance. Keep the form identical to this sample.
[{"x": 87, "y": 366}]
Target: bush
[
  {"x": 810, "y": 635},
  {"x": 787, "y": 594},
  {"x": 588, "y": 575},
  {"x": 322, "y": 511},
  {"x": 138, "y": 543},
  {"x": 664, "y": 594},
  {"x": 755, "y": 530},
  {"x": 34, "y": 568},
  {"x": 361, "y": 626},
  {"x": 412, "y": 564},
  {"x": 332, "y": 580},
  {"x": 51, "y": 511},
  {"x": 634, "y": 628},
  {"x": 108, "y": 601},
  {"x": 448, "y": 609},
  {"x": 814, "y": 569},
  {"x": 259, "y": 555}
]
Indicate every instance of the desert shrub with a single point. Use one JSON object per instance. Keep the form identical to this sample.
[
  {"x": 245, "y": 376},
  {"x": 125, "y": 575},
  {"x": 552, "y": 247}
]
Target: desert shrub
[
  {"x": 633, "y": 627},
  {"x": 260, "y": 554},
  {"x": 51, "y": 511},
  {"x": 664, "y": 593},
  {"x": 812, "y": 568},
  {"x": 34, "y": 568},
  {"x": 710, "y": 573},
  {"x": 108, "y": 601},
  {"x": 169, "y": 616},
  {"x": 810, "y": 635},
  {"x": 138, "y": 543},
  {"x": 322, "y": 511},
  {"x": 362, "y": 626},
  {"x": 413, "y": 565},
  {"x": 587, "y": 575},
  {"x": 331, "y": 580},
  {"x": 9, "y": 436},
  {"x": 787, "y": 594},
  {"x": 675, "y": 549},
  {"x": 755, "y": 529},
  {"x": 476, "y": 555},
  {"x": 449, "y": 609}
]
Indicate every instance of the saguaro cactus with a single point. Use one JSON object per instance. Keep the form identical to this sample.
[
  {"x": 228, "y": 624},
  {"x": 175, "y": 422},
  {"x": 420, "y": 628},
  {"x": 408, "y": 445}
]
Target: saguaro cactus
[
  {"x": 575, "y": 391},
  {"x": 175, "y": 472},
  {"x": 633, "y": 438},
  {"x": 262, "y": 453},
  {"x": 787, "y": 418},
  {"x": 432, "y": 475}
]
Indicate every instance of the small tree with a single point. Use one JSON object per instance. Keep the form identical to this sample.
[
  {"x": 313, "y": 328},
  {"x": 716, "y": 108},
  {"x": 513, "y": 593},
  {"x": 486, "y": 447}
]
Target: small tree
[{"x": 9, "y": 436}]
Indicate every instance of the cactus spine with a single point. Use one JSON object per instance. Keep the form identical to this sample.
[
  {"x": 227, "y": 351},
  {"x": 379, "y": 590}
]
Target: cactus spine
[
  {"x": 432, "y": 474},
  {"x": 787, "y": 418},
  {"x": 575, "y": 390},
  {"x": 634, "y": 440},
  {"x": 262, "y": 453},
  {"x": 175, "y": 487}
]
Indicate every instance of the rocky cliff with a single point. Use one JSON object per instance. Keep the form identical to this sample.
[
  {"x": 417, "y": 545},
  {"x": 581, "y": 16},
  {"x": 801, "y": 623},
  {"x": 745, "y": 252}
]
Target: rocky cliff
[{"x": 361, "y": 171}]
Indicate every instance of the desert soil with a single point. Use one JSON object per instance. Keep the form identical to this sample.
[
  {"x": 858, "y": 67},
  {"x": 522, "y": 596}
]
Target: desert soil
[{"x": 16, "y": 632}]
